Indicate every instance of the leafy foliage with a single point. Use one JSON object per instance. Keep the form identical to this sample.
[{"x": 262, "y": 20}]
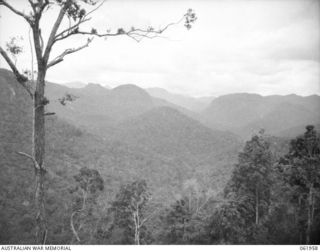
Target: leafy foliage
[
  {"x": 188, "y": 208},
  {"x": 184, "y": 222},
  {"x": 14, "y": 48},
  {"x": 85, "y": 210},
  {"x": 300, "y": 171},
  {"x": 190, "y": 18},
  {"x": 251, "y": 180},
  {"x": 129, "y": 210}
]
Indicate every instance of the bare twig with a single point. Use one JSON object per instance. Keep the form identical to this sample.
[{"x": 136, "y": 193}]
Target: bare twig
[
  {"x": 60, "y": 58},
  {"x": 54, "y": 30},
  {"x": 22, "y": 79},
  {"x": 136, "y": 34},
  {"x": 19, "y": 13},
  {"x": 31, "y": 50},
  {"x": 75, "y": 233},
  {"x": 35, "y": 163},
  {"x": 71, "y": 30}
]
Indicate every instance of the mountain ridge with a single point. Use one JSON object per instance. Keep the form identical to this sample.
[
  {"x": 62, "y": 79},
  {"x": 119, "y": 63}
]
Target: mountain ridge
[{"x": 246, "y": 113}]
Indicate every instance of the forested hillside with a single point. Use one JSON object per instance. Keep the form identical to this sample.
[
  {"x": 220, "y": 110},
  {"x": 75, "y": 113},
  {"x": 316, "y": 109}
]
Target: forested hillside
[
  {"x": 114, "y": 154},
  {"x": 120, "y": 156},
  {"x": 98, "y": 109}
]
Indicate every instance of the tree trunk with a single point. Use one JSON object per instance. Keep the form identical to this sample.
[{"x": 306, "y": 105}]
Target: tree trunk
[
  {"x": 257, "y": 207},
  {"x": 137, "y": 227},
  {"x": 75, "y": 233},
  {"x": 137, "y": 236},
  {"x": 310, "y": 207},
  {"x": 38, "y": 154}
]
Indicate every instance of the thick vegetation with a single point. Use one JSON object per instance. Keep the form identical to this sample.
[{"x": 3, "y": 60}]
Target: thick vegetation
[{"x": 158, "y": 178}]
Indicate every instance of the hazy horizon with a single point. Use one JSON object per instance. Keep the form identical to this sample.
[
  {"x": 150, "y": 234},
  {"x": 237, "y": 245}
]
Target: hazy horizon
[
  {"x": 83, "y": 84},
  {"x": 80, "y": 84}
]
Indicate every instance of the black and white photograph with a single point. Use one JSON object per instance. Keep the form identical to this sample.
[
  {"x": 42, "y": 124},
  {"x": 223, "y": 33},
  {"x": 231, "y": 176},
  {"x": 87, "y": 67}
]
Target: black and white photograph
[{"x": 159, "y": 122}]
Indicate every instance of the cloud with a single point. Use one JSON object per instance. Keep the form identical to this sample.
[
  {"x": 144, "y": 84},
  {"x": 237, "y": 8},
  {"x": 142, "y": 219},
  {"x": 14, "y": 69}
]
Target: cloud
[{"x": 267, "y": 47}]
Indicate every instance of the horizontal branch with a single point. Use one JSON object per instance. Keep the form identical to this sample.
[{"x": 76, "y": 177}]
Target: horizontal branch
[
  {"x": 136, "y": 34},
  {"x": 22, "y": 79},
  {"x": 60, "y": 58}
]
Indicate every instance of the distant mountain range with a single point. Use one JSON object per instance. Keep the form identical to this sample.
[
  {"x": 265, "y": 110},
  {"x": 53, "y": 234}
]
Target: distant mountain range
[
  {"x": 98, "y": 108},
  {"x": 244, "y": 114},
  {"x": 80, "y": 84},
  {"x": 154, "y": 128},
  {"x": 188, "y": 102},
  {"x": 191, "y": 103}
]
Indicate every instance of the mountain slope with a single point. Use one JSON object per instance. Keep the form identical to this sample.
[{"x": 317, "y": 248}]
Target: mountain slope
[
  {"x": 160, "y": 137},
  {"x": 244, "y": 114},
  {"x": 164, "y": 152},
  {"x": 168, "y": 131},
  {"x": 197, "y": 151},
  {"x": 97, "y": 108},
  {"x": 190, "y": 103}
]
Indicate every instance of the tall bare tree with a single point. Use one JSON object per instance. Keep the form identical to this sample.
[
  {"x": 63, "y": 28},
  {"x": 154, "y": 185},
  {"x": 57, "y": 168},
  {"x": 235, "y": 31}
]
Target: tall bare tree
[{"x": 78, "y": 12}]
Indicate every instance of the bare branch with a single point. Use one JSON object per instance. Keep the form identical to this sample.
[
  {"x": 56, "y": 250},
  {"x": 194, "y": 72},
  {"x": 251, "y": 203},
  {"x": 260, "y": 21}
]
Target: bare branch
[
  {"x": 31, "y": 50},
  {"x": 22, "y": 79},
  {"x": 54, "y": 30},
  {"x": 19, "y": 13},
  {"x": 41, "y": 40},
  {"x": 70, "y": 31},
  {"x": 202, "y": 205},
  {"x": 49, "y": 113},
  {"x": 149, "y": 217},
  {"x": 45, "y": 4},
  {"x": 60, "y": 58},
  {"x": 33, "y": 6},
  {"x": 99, "y": 5},
  {"x": 75, "y": 233},
  {"x": 35, "y": 163},
  {"x": 136, "y": 34},
  {"x": 72, "y": 28}
]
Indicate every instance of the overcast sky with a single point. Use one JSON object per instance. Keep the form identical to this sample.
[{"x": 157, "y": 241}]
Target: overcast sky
[{"x": 266, "y": 47}]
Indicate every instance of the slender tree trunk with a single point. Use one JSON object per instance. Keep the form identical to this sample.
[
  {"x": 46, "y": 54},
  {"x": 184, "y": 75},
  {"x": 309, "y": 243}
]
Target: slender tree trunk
[
  {"x": 75, "y": 233},
  {"x": 301, "y": 234},
  {"x": 257, "y": 207},
  {"x": 38, "y": 154},
  {"x": 137, "y": 236},
  {"x": 310, "y": 207},
  {"x": 137, "y": 227}
]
